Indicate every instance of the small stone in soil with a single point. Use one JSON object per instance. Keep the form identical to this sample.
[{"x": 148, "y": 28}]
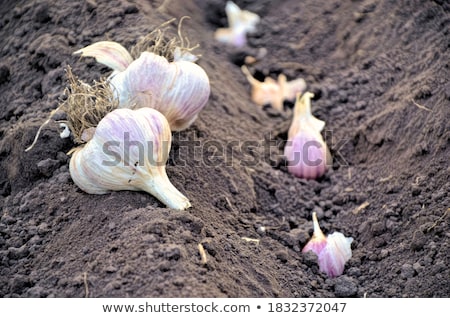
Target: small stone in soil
[
  {"x": 345, "y": 287},
  {"x": 407, "y": 271},
  {"x": 17, "y": 252},
  {"x": 418, "y": 241},
  {"x": 47, "y": 166}
]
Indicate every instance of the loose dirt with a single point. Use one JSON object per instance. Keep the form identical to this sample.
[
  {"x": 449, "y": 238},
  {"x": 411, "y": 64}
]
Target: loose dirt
[{"x": 380, "y": 74}]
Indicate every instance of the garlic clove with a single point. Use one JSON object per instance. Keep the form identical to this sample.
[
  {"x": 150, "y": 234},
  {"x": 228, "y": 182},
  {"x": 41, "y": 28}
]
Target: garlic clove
[
  {"x": 238, "y": 18},
  {"x": 236, "y": 37},
  {"x": 336, "y": 253},
  {"x": 108, "y": 53},
  {"x": 332, "y": 251},
  {"x": 128, "y": 151},
  {"x": 271, "y": 92},
  {"x": 292, "y": 88},
  {"x": 179, "y": 90},
  {"x": 264, "y": 93},
  {"x": 240, "y": 23},
  {"x": 307, "y": 155},
  {"x": 306, "y": 152}
]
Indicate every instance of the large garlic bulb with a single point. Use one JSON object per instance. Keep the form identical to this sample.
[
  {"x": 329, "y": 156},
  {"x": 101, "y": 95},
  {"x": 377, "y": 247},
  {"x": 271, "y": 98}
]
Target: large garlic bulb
[
  {"x": 128, "y": 151},
  {"x": 306, "y": 152},
  {"x": 178, "y": 89}
]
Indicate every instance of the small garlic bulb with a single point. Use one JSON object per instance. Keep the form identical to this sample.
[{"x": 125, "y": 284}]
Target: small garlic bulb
[
  {"x": 306, "y": 152},
  {"x": 128, "y": 151},
  {"x": 332, "y": 251},
  {"x": 178, "y": 89}
]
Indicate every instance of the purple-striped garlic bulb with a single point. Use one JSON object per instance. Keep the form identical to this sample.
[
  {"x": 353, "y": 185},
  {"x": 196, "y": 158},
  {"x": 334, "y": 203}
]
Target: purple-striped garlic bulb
[
  {"x": 128, "y": 151},
  {"x": 306, "y": 152},
  {"x": 178, "y": 89},
  {"x": 332, "y": 251}
]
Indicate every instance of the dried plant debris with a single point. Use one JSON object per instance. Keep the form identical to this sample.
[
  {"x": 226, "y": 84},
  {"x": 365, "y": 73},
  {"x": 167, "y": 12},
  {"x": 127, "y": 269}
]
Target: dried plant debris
[
  {"x": 160, "y": 43},
  {"x": 86, "y": 104}
]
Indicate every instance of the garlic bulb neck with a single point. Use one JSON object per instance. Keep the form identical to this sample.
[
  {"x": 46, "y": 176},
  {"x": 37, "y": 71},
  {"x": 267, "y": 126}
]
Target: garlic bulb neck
[
  {"x": 162, "y": 189},
  {"x": 303, "y": 117},
  {"x": 317, "y": 234}
]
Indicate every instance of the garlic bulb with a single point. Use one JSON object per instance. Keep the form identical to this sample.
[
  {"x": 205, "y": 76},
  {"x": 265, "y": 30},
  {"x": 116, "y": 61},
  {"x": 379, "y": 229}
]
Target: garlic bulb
[
  {"x": 128, "y": 151},
  {"x": 179, "y": 89},
  {"x": 306, "y": 152},
  {"x": 272, "y": 92},
  {"x": 332, "y": 251},
  {"x": 240, "y": 23}
]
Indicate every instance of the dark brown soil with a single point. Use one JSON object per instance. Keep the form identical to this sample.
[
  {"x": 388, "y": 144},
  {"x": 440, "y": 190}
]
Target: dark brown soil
[{"x": 380, "y": 74}]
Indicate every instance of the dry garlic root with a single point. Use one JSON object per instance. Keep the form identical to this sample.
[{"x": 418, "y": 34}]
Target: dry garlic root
[
  {"x": 306, "y": 152},
  {"x": 271, "y": 92},
  {"x": 332, "y": 251},
  {"x": 128, "y": 151}
]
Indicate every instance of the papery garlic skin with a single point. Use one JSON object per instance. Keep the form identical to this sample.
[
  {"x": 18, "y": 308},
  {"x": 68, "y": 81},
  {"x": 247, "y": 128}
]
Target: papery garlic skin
[
  {"x": 306, "y": 152},
  {"x": 128, "y": 151},
  {"x": 183, "y": 55},
  {"x": 108, "y": 53},
  {"x": 66, "y": 131},
  {"x": 332, "y": 251},
  {"x": 179, "y": 90}
]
